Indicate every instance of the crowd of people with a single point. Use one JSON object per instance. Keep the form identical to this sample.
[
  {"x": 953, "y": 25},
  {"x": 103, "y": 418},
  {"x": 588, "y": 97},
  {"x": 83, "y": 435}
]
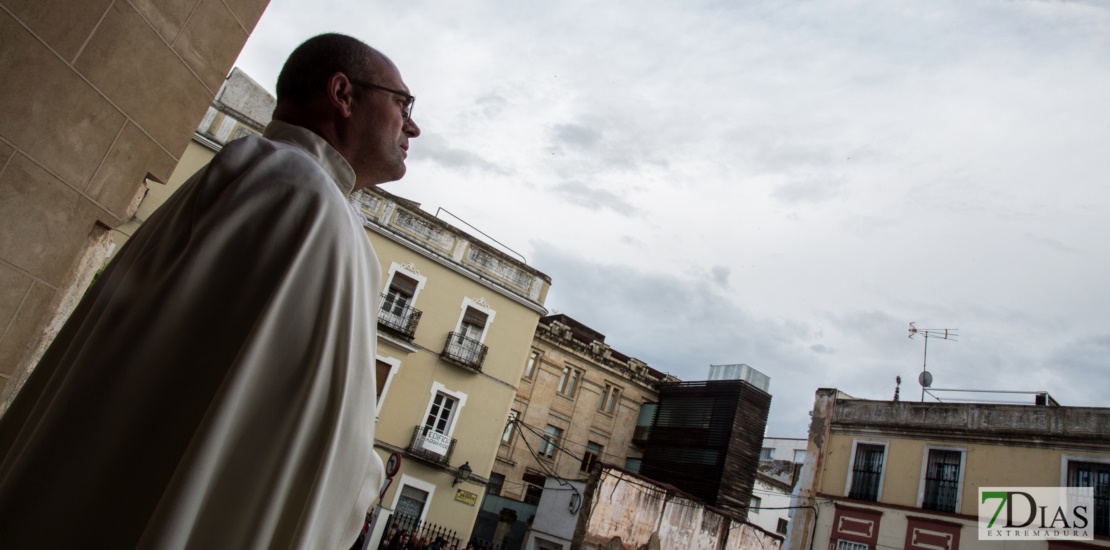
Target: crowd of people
[{"x": 401, "y": 539}]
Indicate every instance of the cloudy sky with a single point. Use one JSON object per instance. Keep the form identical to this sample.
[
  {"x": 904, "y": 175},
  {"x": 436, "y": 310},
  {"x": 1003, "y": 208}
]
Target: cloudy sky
[{"x": 786, "y": 184}]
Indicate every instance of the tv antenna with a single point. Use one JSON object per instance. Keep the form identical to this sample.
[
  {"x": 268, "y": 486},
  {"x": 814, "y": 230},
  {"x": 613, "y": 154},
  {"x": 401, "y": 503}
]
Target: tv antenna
[{"x": 926, "y": 377}]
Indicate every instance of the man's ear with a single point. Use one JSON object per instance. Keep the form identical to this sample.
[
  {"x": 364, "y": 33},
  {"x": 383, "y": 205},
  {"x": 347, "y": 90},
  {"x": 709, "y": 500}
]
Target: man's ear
[{"x": 341, "y": 94}]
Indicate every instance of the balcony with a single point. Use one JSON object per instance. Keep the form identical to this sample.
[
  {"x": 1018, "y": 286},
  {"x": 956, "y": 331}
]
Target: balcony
[
  {"x": 641, "y": 434},
  {"x": 467, "y": 353},
  {"x": 429, "y": 446},
  {"x": 398, "y": 319}
]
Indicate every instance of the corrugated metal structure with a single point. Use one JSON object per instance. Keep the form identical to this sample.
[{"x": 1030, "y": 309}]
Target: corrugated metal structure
[{"x": 705, "y": 440}]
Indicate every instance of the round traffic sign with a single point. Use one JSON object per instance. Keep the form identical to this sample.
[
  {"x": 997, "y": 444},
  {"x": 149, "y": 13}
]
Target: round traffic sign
[{"x": 393, "y": 465}]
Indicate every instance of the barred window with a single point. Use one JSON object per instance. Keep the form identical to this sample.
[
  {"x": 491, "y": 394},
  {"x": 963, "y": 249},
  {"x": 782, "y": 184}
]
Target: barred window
[
  {"x": 867, "y": 471},
  {"x": 942, "y": 480},
  {"x": 1096, "y": 475}
]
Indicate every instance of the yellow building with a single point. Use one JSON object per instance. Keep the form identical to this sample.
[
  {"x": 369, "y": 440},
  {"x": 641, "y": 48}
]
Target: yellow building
[
  {"x": 456, "y": 320},
  {"x": 896, "y": 474},
  {"x": 454, "y": 331}
]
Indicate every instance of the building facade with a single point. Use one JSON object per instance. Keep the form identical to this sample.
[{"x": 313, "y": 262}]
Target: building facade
[
  {"x": 455, "y": 328},
  {"x": 896, "y": 474},
  {"x": 577, "y": 405},
  {"x": 73, "y": 161},
  {"x": 706, "y": 439}
]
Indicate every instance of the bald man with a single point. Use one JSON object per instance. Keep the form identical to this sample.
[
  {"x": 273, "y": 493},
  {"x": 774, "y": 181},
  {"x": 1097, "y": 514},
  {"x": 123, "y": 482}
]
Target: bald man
[{"x": 214, "y": 388}]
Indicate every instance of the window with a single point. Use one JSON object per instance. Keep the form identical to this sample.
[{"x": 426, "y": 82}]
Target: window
[
  {"x": 464, "y": 345},
  {"x": 496, "y": 482},
  {"x": 569, "y": 381},
  {"x": 799, "y": 455},
  {"x": 1097, "y": 475},
  {"x": 754, "y": 504},
  {"x": 942, "y": 480},
  {"x": 609, "y": 398},
  {"x": 439, "y": 416},
  {"x": 767, "y": 453},
  {"x": 849, "y": 545},
  {"x": 411, "y": 502},
  {"x": 533, "y": 488},
  {"x": 550, "y": 440},
  {"x": 592, "y": 456},
  {"x": 530, "y": 366},
  {"x": 401, "y": 291},
  {"x": 395, "y": 310},
  {"x": 633, "y": 464},
  {"x": 382, "y": 374},
  {"x": 867, "y": 472},
  {"x": 473, "y": 324},
  {"x": 510, "y": 428},
  {"x": 781, "y": 527},
  {"x": 385, "y": 368},
  {"x": 643, "y": 421},
  {"x": 543, "y": 544}
]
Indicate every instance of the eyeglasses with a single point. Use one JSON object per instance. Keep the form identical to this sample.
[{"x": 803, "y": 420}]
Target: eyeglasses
[{"x": 410, "y": 100}]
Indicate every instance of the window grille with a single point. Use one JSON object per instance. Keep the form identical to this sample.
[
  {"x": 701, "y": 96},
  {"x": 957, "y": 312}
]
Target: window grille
[
  {"x": 1096, "y": 475},
  {"x": 942, "y": 480},
  {"x": 866, "y": 472},
  {"x": 850, "y": 545}
]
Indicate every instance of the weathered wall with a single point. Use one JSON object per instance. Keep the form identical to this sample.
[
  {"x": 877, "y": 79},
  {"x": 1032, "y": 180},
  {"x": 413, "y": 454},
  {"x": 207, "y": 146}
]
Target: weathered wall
[
  {"x": 820, "y": 425},
  {"x": 98, "y": 95},
  {"x": 643, "y": 514}
]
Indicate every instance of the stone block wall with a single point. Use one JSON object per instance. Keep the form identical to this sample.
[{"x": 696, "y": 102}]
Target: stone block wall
[{"x": 99, "y": 96}]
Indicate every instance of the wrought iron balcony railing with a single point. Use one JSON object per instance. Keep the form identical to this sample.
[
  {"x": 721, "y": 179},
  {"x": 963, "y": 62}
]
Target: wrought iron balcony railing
[
  {"x": 430, "y": 446},
  {"x": 464, "y": 352},
  {"x": 397, "y": 318}
]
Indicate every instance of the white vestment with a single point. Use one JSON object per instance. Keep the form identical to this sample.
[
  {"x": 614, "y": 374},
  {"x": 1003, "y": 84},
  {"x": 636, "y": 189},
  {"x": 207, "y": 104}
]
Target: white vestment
[{"x": 215, "y": 388}]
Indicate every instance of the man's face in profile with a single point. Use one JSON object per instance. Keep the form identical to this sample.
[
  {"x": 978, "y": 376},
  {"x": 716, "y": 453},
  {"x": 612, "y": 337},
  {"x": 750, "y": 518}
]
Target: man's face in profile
[{"x": 383, "y": 127}]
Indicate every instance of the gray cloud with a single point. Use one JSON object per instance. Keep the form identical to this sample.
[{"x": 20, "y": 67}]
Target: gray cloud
[
  {"x": 575, "y": 135},
  {"x": 578, "y": 193},
  {"x": 491, "y": 105},
  {"x": 679, "y": 326},
  {"x": 1050, "y": 243},
  {"x": 815, "y": 190},
  {"x": 719, "y": 275},
  {"x": 438, "y": 150}
]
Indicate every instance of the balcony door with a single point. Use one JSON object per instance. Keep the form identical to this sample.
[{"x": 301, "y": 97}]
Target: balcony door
[
  {"x": 398, "y": 299},
  {"x": 439, "y": 416}
]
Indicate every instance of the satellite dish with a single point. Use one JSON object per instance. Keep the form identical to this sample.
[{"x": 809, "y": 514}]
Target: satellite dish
[{"x": 925, "y": 379}]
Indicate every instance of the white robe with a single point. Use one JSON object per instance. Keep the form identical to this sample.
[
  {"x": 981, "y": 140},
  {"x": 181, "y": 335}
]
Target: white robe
[{"x": 215, "y": 387}]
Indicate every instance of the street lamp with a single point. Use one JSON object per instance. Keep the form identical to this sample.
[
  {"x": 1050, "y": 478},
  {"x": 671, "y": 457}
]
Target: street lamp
[{"x": 463, "y": 474}]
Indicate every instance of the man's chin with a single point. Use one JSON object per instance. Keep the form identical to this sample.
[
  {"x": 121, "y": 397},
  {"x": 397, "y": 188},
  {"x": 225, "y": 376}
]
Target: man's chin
[{"x": 379, "y": 179}]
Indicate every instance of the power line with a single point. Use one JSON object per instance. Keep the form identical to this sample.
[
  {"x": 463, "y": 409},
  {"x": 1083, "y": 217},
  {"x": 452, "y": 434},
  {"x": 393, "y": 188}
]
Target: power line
[{"x": 576, "y": 500}]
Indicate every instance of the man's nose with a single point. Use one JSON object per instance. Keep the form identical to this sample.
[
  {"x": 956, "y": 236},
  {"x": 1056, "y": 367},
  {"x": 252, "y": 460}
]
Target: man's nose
[{"x": 411, "y": 129}]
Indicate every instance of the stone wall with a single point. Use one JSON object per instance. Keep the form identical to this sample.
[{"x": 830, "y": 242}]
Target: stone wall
[
  {"x": 99, "y": 96},
  {"x": 624, "y": 511}
]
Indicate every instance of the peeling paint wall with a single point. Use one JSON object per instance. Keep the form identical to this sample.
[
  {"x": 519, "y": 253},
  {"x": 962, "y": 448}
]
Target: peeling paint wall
[
  {"x": 812, "y": 469},
  {"x": 636, "y": 513}
]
